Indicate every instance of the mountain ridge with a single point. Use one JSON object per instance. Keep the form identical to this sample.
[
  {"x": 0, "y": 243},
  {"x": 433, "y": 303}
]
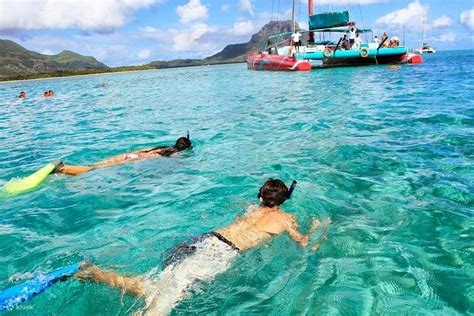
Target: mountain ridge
[{"x": 15, "y": 60}]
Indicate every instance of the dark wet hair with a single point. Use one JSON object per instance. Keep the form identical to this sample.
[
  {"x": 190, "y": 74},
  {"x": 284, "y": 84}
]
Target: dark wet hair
[
  {"x": 181, "y": 144},
  {"x": 273, "y": 193}
]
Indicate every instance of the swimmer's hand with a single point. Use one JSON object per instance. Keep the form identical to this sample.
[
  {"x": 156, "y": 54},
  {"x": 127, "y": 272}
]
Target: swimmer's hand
[
  {"x": 317, "y": 223},
  {"x": 323, "y": 225},
  {"x": 303, "y": 239}
]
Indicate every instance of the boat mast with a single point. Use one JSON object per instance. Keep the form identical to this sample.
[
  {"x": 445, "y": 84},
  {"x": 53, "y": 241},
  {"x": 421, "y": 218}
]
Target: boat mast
[
  {"x": 310, "y": 13},
  {"x": 293, "y": 17},
  {"x": 423, "y": 35}
]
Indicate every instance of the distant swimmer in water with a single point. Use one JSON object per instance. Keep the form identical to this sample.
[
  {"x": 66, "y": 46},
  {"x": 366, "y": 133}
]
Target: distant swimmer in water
[
  {"x": 148, "y": 153},
  {"x": 394, "y": 67},
  {"x": 22, "y": 95},
  {"x": 49, "y": 93},
  {"x": 202, "y": 258}
]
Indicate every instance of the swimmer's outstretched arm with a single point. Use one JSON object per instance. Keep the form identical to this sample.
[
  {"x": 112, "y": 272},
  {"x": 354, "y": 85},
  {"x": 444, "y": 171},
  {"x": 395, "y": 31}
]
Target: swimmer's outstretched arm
[
  {"x": 303, "y": 239},
  {"x": 128, "y": 285}
]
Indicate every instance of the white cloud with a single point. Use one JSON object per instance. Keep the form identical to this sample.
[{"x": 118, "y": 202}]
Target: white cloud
[
  {"x": 246, "y": 6},
  {"x": 149, "y": 29},
  {"x": 265, "y": 16},
  {"x": 225, "y": 8},
  {"x": 149, "y": 32},
  {"x": 415, "y": 14},
  {"x": 193, "y": 10},
  {"x": 188, "y": 39},
  {"x": 243, "y": 28},
  {"x": 442, "y": 21},
  {"x": 144, "y": 54},
  {"x": 467, "y": 18},
  {"x": 449, "y": 37},
  {"x": 60, "y": 14}
]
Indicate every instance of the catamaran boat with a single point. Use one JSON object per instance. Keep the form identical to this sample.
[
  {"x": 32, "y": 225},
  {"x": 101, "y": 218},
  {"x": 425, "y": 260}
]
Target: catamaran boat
[
  {"x": 426, "y": 49},
  {"x": 320, "y": 50}
]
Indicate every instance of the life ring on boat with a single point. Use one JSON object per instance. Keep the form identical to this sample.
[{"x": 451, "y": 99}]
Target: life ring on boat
[
  {"x": 327, "y": 52},
  {"x": 364, "y": 52}
]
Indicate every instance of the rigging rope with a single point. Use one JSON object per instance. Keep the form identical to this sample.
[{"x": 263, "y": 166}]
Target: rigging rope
[
  {"x": 278, "y": 11},
  {"x": 362, "y": 19},
  {"x": 273, "y": 7}
]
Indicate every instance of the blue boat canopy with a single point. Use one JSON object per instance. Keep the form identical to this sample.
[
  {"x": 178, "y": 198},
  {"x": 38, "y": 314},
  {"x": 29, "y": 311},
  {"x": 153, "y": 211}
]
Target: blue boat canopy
[{"x": 328, "y": 19}]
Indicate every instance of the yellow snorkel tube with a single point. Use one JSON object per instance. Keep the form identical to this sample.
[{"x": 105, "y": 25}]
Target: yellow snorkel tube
[{"x": 29, "y": 182}]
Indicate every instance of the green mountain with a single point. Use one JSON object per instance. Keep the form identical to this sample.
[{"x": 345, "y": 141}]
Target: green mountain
[{"x": 15, "y": 60}]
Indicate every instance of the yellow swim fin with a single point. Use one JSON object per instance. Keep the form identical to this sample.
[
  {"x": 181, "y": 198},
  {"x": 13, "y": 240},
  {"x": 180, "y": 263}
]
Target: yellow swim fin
[{"x": 29, "y": 182}]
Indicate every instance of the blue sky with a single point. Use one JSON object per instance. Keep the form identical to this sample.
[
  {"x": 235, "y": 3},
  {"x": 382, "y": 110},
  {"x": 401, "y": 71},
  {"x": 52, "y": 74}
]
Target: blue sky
[{"x": 131, "y": 32}]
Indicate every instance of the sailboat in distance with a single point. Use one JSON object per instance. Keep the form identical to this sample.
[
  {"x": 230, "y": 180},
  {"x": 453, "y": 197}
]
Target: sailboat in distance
[{"x": 425, "y": 48}]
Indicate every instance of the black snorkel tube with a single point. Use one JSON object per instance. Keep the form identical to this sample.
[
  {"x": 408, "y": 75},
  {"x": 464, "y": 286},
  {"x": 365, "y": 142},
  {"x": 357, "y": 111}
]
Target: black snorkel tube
[
  {"x": 187, "y": 135},
  {"x": 291, "y": 189}
]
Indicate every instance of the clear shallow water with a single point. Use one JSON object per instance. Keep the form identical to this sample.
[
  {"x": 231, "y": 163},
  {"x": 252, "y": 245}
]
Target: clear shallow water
[{"x": 388, "y": 154}]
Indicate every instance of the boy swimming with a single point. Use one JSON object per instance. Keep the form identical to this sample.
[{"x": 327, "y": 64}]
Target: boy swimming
[
  {"x": 205, "y": 256},
  {"x": 148, "y": 153}
]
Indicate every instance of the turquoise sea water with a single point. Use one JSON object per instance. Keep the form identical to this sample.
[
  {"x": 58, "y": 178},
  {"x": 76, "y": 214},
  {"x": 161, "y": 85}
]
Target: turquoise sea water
[{"x": 388, "y": 154}]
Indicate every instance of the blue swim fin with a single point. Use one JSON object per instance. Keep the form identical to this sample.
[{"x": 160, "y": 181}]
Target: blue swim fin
[{"x": 21, "y": 293}]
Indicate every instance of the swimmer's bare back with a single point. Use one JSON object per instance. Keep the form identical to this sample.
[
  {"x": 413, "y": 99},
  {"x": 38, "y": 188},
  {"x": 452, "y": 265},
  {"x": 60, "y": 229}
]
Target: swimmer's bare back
[
  {"x": 251, "y": 230},
  {"x": 142, "y": 154}
]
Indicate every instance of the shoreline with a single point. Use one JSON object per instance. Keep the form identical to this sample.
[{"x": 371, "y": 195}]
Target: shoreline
[
  {"x": 118, "y": 72},
  {"x": 72, "y": 76}
]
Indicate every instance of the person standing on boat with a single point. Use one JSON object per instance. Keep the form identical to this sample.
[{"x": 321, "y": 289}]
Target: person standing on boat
[
  {"x": 357, "y": 42},
  {"x": 352, "y": 35},
  {"x": 376, "y": 40},
  {"x": 271, "y": 47},
  {"x": 384, "y": 40},
  {"x": 205, "y": 256},
  {"x": 296, "y": 40}
]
